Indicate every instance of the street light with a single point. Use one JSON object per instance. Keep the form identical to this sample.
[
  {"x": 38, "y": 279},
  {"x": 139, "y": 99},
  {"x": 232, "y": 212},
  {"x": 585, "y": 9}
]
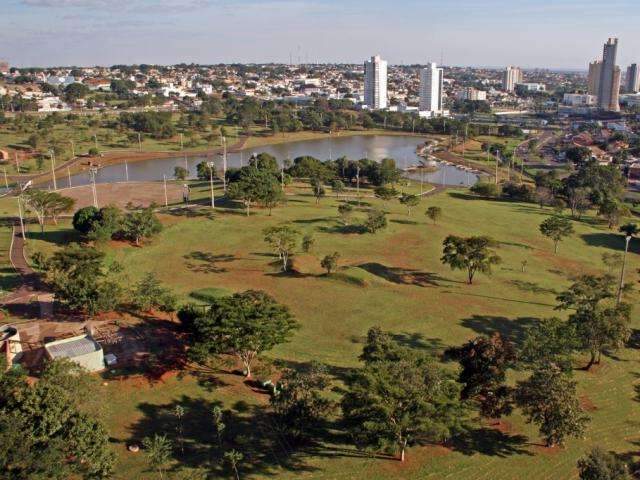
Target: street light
[
  {"x": 224, "y": 164},
  {"x": 53, "y": 169},
  {"x": 630, "y": 230},
  {"x": 92, "y": 175},
  {"x": 211, "y": 165}
]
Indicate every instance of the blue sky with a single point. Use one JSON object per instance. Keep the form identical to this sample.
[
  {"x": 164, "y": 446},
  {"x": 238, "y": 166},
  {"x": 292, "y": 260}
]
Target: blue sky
[{"x": 542, "y": 33}]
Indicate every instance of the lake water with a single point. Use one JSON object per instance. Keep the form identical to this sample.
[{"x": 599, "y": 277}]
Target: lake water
[{"x": 400, "y": 148}]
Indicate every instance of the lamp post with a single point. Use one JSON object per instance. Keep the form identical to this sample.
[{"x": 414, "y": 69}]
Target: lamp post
[
  {"x": 630, "y": 229},
  {"x": 92, "y": 175},
  {"x": 213, "y": 200},
  {"x": 53, "y": 169},
  {"x": 224, "y": 164}
]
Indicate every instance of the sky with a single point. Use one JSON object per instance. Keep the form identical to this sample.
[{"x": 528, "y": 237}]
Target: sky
[{"x": 558, "y": 34}]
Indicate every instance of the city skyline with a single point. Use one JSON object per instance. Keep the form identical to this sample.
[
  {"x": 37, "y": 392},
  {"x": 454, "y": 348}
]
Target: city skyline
[{"x": 89, "y": 32}]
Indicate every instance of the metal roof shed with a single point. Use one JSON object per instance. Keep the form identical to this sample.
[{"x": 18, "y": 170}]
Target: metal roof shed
[{"x": 83, "y": 350}]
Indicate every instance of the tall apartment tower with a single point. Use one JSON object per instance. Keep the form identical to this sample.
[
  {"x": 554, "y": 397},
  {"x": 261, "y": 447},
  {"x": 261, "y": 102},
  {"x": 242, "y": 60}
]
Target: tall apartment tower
[
  {"x": 609, "y": 88},
  {"x": 633, "y": 79},
  {"x": 375, "y": 83},
  {"x": 594, "y": 77},
  {"x": 431, "y": 83},
  {"x": 511, "y": 77}
]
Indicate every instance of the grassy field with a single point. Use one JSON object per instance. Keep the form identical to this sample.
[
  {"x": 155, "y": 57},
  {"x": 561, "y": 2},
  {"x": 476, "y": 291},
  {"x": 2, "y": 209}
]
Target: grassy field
[{"x": 393, "y": 279}]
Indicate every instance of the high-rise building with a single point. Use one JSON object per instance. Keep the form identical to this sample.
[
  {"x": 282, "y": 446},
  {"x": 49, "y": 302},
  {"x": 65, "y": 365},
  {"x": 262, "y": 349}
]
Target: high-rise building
[
  {"x": 473, "y": 94},
  {"x": 4, "y": 67},
  {"x": 511, "y": 76},
  {"x": 632, "y": 83},
  {"x": 375, "y": 83},
  {"x": 594, "y": 77},
  {"x": 609, "y": 88},
  {"x": 431, "y": 83}
]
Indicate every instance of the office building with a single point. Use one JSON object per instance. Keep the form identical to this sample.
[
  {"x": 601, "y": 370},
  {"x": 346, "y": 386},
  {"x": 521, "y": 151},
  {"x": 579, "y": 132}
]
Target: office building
[
  {"x": 431, "y": 83},
  {"x": 473, "y": 94},
  {"x": 512, "y": 76},
  {"x": 594, "y": 77},
  {"x": 609, "y": 87},
  {"x": 375, "y": 83},
  {"x": 632, "y": 84}
]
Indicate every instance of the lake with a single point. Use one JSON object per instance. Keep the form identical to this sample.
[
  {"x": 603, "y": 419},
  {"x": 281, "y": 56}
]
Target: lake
[{"x": 376, "y": 147}]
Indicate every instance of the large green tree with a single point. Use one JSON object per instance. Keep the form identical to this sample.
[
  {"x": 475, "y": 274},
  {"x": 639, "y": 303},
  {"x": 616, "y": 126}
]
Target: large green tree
[
  {"x": 140, "y": 224},
  {"x": 473, "y": 254},
  {"x": 601, "y": 465},
  {"x": 283, "y": 240},
  {"x": 244, "y": 325},
  {"x": 556, "y": 228}
]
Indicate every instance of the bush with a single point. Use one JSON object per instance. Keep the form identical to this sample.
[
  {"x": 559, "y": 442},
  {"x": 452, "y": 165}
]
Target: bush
[
  {"x": 486, "y": 189},
  {"x": 376, "y": 220},
  {"x": 84, "y": 219},
  {"x": 94, "y": 152},
  {"x": 521, "y": 193}
]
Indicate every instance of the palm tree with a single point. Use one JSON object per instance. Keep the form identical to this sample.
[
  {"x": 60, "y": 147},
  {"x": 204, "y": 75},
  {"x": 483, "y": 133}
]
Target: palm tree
[{"x": 629, "y": 230}]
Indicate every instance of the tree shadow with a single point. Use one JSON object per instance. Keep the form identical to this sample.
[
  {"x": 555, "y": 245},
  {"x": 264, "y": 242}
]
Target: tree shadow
[
  {"x": 611, "y": 240},
  {"x": 418, "y": 341},
  {"x": 512, "y": 329},
  {"x": 404, "y": 222},
  {"x": 531, "y": 287},
  {"x": 208, "y": 262},
  {"x": 402, "y": 276},
  {"x": 344, "y": 229},
  {"x": 58, "y": 237},
  {"x": 308, "y": 221},
  {"x": 516, "y": 244},
  {"x": 249, "y": 429},
  {"x": 634, "y": 339},
  {"x": 491, "y": 442},
  {"x": 468, "y": 294}
]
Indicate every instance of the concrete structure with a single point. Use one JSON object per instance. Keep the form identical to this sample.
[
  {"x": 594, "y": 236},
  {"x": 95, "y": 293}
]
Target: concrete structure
[
  {"x": 4, "y": 67},
  {"x": 630, "y": 99},
  {"x": 431, "y": 82},
  {"x": 530, "y": 87},
  {"x": 473, "y": 94},
  {"x": 83, "y": 350},
  {"x": 579, "y": 100},
  {"x": 10, "y": 344},
  {"x": 632, "y": 80},
  {"x": 594, "y": 77},
  {"x": 511, "y": 76},
  {"x": 609, "y": 88},
  {"x": 375, "y": 83}
]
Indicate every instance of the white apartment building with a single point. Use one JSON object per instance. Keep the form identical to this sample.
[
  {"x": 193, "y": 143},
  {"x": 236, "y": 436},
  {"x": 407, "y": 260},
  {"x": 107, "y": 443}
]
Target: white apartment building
[
  {"x": 511, "y": 76},
  {"x": 473, "y": 94},
  {"x": 530, "y": 87},
  {"x": 431, "y": 82},
  {"x": 375, "y": 83},
  {"x": 579, "y": 100}
]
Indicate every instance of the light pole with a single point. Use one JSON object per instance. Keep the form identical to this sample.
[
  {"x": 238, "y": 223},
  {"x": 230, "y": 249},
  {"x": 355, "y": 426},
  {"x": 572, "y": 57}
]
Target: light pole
[
  {"x": 358, "y": 183},
  {"x": 73, "y": 149},
  {"x": 166, "y": 199},
  {"x": 213, "y": 200},
  {"x": 53, "y": 169},
  {"x": 224, "y": 164},
  {"x": 6, "y": 180},
  {"x": 630, "y": 229},
  {"x": 24, "y": 235},
  {"x": 92, "y": 175},
  {"x": 181, "y": 142},
  {"x": 139, "y": 142},
  {"x": 69, "y": 176},
  {"x": 126, "y": 170},
  {"x": 95, "y": 139}
]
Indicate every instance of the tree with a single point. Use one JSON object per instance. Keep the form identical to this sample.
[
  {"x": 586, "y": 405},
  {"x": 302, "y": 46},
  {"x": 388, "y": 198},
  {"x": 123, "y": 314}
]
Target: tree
[
  {"x": 233, "y": 458},
  {"x": 434, "y": 214},
  {"x": 600, "y": 465},
  {"x": 337, "y": 186},
  {"x": 613, "y": 261},
  {"x": 108, "y": 223},
  {"x": 244, "y": 325},
  {"x": 308, "y": 242},
  {"x": 140, "y": 224},
  {"x": 252, "y": 185},
  {"x": 47, "y": 204},
  {"x": 159, "y": 449},
  {"x": 48, "y": 429},
  {"x": 486, "y": 189},
  {"x": 385, "y": 193},
  {"x": 551, "y": 341},
  {"x": 345, "y": 211},
  {"x": 473, "y": 254},
  {"x": 283, "y": 239},
  {"x": 330, "y": 262},
  {"x": 75, "y": 91},
  {"x": 484, "y": 362},
  {"x": 612, "y": 210},
  {"x": 548, "y": 398},
  {"x": 409, "y": 201},
  {"x": 300, "y": 404},
  {"x": 149, "y": 293},
  {"x": 272, "y": 197},
  {"x": 80, "y": 280},
  {"x": 318, "y": 188},
  {"x": 180, "y": 173},
  {"x": 376, "y": 220},
  {"x": 392, "y": 404},
  {"x": 84, "y": 219},
  {"x": 556, "y": 228},
  {"x": 599, "y": 324}
]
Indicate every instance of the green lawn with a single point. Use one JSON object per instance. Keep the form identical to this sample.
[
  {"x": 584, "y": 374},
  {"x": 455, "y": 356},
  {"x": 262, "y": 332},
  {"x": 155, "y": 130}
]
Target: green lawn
[{"x": 393, "y": 279}]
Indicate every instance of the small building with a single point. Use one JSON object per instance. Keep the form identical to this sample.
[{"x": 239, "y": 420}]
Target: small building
[{"x": 82, "y": 349}]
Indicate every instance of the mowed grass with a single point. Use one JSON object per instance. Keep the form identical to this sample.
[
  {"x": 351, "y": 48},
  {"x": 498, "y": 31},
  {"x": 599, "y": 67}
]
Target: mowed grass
[{"x": 393, "y": 279}]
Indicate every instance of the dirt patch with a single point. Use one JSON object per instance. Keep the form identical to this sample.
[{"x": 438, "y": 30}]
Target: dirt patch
[
  {"x": 586, "y": 404},
  {"x": 120, "y": 194}
]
